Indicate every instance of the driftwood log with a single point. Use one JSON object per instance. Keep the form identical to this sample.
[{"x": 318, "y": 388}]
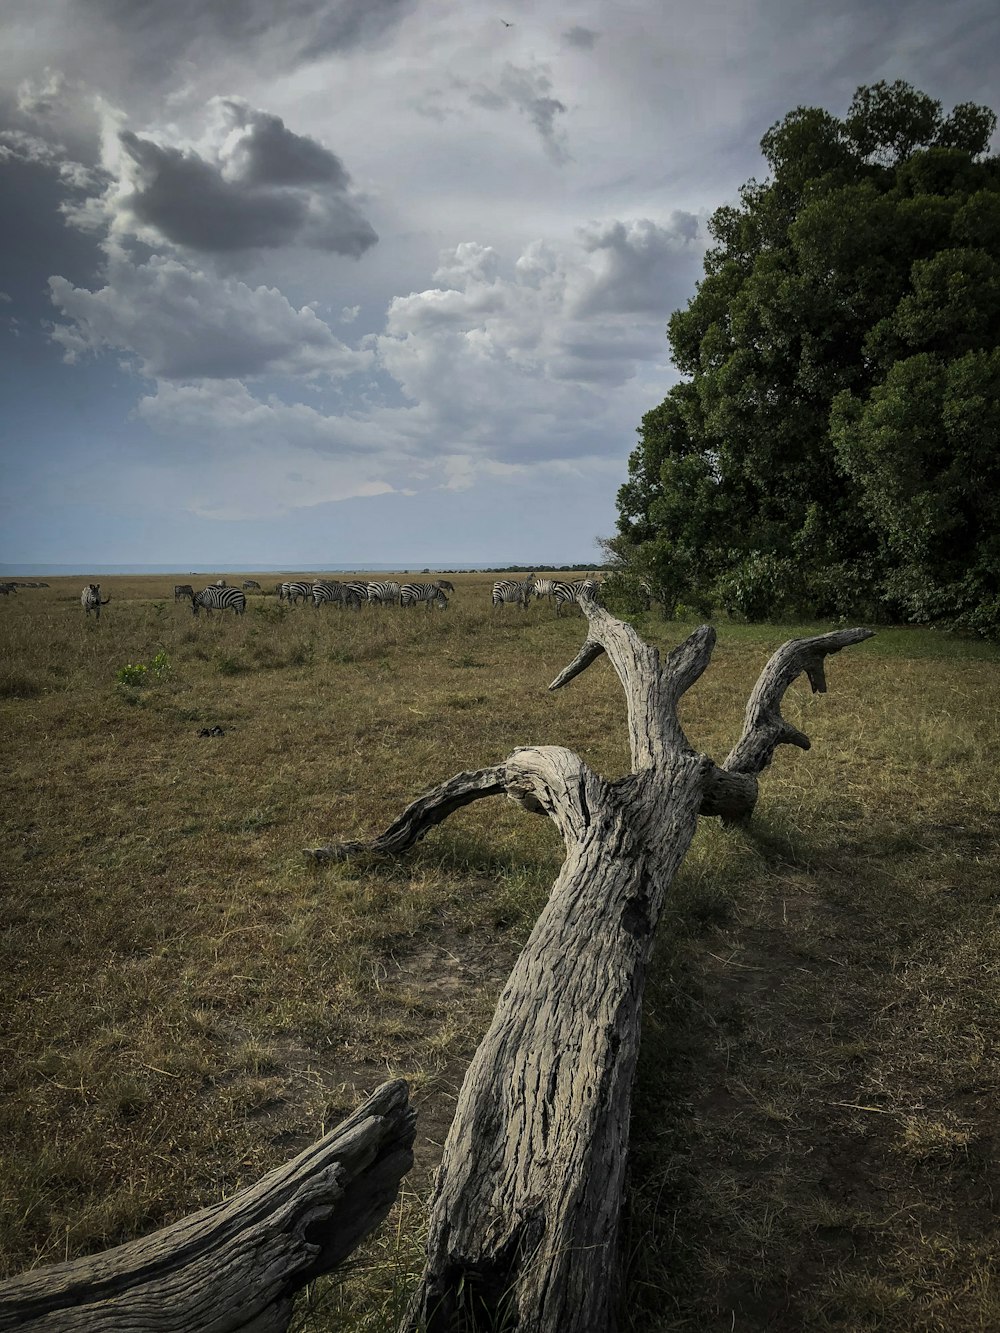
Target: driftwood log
[
  {"x": 525, "y": 1211},
  {"x": 236, "y": 1265}
]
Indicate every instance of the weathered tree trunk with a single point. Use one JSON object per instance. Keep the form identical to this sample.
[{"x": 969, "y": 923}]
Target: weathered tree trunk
[
  {"x": 236, "y": 1265},
  {"x": 525, "y": 1212}
]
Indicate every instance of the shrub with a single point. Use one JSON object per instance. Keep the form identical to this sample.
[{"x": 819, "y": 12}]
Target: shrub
[{"x": 133, "y": 673}]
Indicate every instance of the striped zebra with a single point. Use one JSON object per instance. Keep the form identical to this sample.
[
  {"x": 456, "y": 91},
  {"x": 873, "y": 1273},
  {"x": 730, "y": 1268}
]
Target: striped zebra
[
  {"x": 510, "y": 590},
  {"x": 431, "y": 594},
  {"x": 544, "y": 588},
  {"x": 343, "y": 594},
  {"x": 214, "y": 598},
  {"x": 383, "y": 593},
  {"x": 251, "y": 585},
  {"x": 90, "y": 599},
  {"x": 566, "y": 593},
  {"x": 182, "y": 590},
  {"x": 291, "y": 592}
]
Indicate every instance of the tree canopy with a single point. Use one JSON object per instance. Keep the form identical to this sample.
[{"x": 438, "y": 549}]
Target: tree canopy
[{"x": 834, "y": 445}]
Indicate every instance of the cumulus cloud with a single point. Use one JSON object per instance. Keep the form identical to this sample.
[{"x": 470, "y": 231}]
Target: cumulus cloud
[
  {"x": 182, "y": 323},
  {"x": 508, "y": 366},
  {"x": 498, "y": 368},
  {"x": 253, "y": 184}
]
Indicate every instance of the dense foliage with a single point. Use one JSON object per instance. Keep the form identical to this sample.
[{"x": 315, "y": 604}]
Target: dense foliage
[{"x": 833, "y": 446}]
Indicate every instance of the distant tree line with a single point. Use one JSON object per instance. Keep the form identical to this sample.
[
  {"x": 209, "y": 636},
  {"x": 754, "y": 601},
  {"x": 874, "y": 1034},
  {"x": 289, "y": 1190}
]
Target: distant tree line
[{"x": 834, "y": 446}]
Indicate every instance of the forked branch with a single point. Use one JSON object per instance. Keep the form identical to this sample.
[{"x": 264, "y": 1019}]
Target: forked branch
[{"x": 764, "y": 729}]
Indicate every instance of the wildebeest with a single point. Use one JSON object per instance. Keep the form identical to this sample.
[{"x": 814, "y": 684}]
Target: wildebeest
[{"x": 182, "y": 590}]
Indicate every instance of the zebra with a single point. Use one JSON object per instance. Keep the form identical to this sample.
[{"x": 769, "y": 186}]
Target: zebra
[
  {"x": 90, "y": 599},
  {"x": 544, "y": 587},
  {"x": 384, "y": 592},
  {"x": 249, "y": 584},
  {"x": 214, "y": 598},
  {"x": 432, "y": 594},
  {"x": 291, "y": 592},
  {"x": 567, "y": 593},
  {"x": 182, "y": 590},
  {"x": 510, "y": 590},
  {"x": 344, "y": 594}
]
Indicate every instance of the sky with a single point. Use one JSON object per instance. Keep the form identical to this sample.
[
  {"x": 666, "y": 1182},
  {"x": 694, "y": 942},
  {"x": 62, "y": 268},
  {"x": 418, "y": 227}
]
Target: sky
[{"x": 379, "y": 282}]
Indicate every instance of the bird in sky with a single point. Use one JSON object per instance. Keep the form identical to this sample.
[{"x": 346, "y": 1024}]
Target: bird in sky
[{"x": 506, "y": 24}]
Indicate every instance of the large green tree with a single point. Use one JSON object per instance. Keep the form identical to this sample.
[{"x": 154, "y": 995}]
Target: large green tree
[{"x": 784, "y": 472}]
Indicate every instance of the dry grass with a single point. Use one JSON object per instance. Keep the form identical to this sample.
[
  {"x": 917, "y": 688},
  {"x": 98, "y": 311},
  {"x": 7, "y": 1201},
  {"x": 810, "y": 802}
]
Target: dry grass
[{"x": 186, "y": 1002}]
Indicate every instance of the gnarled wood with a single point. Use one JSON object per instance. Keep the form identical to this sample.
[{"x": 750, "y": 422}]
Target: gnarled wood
[
  {"x": 236, "y": 1265},
  {"x": 525, "y": 1211}
]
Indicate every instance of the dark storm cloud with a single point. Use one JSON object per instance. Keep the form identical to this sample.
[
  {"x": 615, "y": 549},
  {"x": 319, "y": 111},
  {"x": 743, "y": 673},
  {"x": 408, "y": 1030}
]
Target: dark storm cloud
[
  {"x": 160, "y": 34},
  {"x": 268, "y": 153},
  {"x": 270, "y": 188}
]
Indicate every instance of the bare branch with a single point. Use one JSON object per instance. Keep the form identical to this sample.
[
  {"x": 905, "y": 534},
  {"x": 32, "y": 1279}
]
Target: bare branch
[
  {"x": 764, "y": 729},
  {"x": 651, "y": 691},
  {"x": 422, "y": 815},
  {"x": 590, "y": 652},
  {"x": 236, "y": 1264}
]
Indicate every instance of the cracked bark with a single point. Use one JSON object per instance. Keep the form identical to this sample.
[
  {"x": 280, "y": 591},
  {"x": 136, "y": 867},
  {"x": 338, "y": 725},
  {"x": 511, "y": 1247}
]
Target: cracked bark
[
  {"x": 234, "y": 1267},
  {"x": 526, "y": 1205}
]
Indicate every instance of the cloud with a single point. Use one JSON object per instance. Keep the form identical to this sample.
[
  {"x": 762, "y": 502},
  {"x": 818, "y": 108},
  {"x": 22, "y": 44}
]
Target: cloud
[
  {"x": 542, "y": 364},
  {"x": 182, "y": 323},
  {"x": 254, "y": 184},
  {"x": 529, "y": 89},
  {"x": 583, "y": 38},
  {"x": 509, "y": 367},
  {"x": 138, "y": 46}
]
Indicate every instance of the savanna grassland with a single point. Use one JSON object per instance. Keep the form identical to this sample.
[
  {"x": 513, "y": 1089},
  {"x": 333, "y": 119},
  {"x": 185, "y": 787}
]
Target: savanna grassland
[{"x": 186, "y": 1001}]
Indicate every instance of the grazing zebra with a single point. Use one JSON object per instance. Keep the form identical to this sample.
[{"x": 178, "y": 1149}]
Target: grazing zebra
[
  {"x": 565, "y": 594},
  {"x": 344, "y": 594},
  {"x": 214, "y": 598},
  {"x": 384, "y": 592},
  {"x": 432, "y": 594},
  {"x": 251, "y": 584},
  {"x": 510, "y": 590},
  {"x": 90, "y": 599},
  {"x": 291, "y": 592},
  {"x": 182, "y": 590}
]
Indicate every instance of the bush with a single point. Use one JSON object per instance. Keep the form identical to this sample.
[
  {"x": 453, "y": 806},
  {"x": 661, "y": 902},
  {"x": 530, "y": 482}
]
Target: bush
[
  {"x": 133, "y": 673},
  {"x": 136, "y": 674},
  {"x": 762, "y": 587}
]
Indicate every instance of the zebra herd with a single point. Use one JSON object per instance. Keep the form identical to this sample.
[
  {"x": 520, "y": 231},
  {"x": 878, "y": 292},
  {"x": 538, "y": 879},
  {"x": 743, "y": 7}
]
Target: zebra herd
[
  {"x": 354, "y": 593},
  {"x": 561, "y": 592}
]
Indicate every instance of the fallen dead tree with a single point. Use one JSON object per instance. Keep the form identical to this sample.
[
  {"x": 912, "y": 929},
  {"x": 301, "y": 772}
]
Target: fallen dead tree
[
  {"x": 235, "y": 1266},
  {"x": 525, "y": 1212}
]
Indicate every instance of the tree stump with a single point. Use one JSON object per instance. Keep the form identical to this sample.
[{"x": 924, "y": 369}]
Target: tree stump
[
  {"x": 526, "y": 1206},
  {"x": 234, "y": 1267}
]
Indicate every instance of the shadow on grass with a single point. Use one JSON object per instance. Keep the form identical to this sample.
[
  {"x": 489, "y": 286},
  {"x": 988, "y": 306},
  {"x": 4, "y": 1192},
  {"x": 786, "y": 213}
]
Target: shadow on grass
[{"x": 813, "y": 1107}]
